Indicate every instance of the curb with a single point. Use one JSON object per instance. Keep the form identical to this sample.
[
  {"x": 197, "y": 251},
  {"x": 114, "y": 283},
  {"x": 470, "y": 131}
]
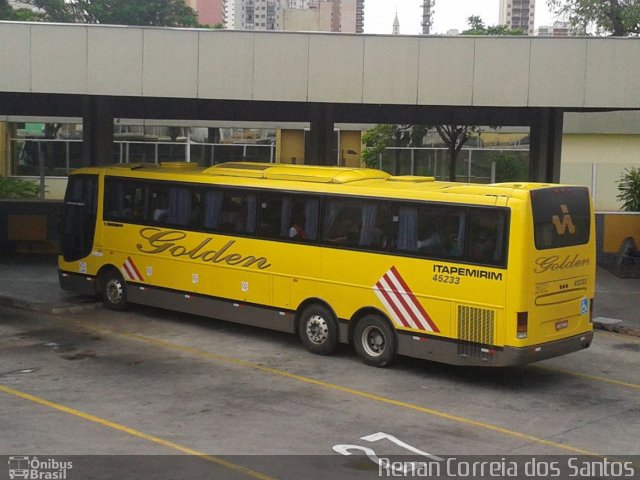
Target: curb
[
  {"x": 618, "y": 328},
  {"x": 52, "y": 308}
]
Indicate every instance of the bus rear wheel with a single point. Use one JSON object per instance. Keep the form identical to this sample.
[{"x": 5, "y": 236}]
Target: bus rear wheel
[
  {"x": 114, "y": 290},
  {"x": 318, "y": 330},
  {"x": 374, "y": 341}
]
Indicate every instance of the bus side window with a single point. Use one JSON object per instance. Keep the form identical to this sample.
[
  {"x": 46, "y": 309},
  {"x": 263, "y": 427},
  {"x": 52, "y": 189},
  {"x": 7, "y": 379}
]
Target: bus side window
[
  {"x": 269, "y": 215},
  {"x": 230, "y": 211},
  {"x": 342, "y": 224},
  {"x": 125, "y": 201},
  {"x": 407, "y": 229},
  {"x": 158, "y": 204},
  {"x": 486, "y": 236},
  {"x": 300, "y": 218},
  {"x": 380, "y": 226},
  {"x": 180, "y": 206}
]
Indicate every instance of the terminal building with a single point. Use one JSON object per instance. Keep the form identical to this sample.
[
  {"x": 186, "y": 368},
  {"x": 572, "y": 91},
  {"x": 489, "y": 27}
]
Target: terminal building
[{"x": 565, "y": 109}]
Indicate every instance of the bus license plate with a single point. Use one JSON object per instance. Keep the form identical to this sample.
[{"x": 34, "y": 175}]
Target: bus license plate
[{"x": 562, "y": 324}]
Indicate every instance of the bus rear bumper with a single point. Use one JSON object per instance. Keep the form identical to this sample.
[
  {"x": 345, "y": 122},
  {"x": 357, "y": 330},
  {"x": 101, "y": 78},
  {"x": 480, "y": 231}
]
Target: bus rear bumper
[
  {"x": 535, "y": 353},
  {"x": 78, "y": 283},
  {"x": 458, "y": 353}
]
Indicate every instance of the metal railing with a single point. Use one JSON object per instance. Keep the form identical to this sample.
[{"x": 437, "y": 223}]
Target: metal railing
[
  {"x": 41, "y": 157},
  {"x": 477, "y": 165}
]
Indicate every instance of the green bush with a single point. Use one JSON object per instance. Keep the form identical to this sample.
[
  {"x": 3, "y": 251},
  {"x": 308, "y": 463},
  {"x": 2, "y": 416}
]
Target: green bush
[
  {"x": 629, "y": 188},
  {"x": 510, "y": 167},
  {"x": 12, "y": 188}
]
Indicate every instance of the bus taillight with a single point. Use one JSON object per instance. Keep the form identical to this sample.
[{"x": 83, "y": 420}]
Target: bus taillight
[
  {"x": 591, "y": 310},
  {"x": 523, "y": 325}
]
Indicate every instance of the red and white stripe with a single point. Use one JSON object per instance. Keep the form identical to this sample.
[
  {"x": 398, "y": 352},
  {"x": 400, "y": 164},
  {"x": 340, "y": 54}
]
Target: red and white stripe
[
  {"x": 403, "y": 306},
  {"x": 131, "y": 271}
]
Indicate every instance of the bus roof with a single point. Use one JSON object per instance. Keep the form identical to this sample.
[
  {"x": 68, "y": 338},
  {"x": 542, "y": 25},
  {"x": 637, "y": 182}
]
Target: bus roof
[{"x": 314, "y": 178}]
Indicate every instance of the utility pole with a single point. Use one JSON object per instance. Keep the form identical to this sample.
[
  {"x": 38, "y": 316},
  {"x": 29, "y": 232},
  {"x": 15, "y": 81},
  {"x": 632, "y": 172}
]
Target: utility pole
[{"x": 427, "y": 16}]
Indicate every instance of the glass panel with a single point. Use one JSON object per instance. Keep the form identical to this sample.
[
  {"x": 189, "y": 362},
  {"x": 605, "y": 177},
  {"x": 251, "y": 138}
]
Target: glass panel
[
  {"x": 232, "y": 212},
  {"x": 397, "y": 161},
  {"x": 486, "y": 236},
  {"x": 124, "y": 201},
  {"x": 342, "y": 224},
  {"x": 425, "y": 163},
  {"x": 440, "y": 231},
  {"x": 561, "y": 216},
  {"x": 258, "y": 153}
]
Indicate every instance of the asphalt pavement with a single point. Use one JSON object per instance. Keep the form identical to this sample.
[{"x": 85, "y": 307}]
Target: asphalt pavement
[{"x": 31, "y": 282}]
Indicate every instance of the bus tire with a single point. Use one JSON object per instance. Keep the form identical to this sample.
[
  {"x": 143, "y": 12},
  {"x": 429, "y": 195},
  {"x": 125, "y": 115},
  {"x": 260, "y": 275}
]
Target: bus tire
[
  {"x": 113, "y": 289},
  {"x": 374, "y": 341},
  {"x": 318, "y": 330}
]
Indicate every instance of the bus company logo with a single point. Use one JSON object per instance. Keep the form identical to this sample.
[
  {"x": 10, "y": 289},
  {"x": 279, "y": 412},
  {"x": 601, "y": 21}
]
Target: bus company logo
[
  {"x": 553, "y": 263},
  {"x": 170, "y": 241},
  {"x": 405, "y": 309},
  {"x": 35, "y": 469},
  {"x": 566, "y": 223}
]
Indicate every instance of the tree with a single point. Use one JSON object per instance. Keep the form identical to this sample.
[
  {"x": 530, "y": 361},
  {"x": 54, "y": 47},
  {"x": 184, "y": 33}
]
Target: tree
[
  {"x": 477, "y": 27},
  {"x": 170, "y": 13},
  {"x": 380, "y": 137},
  {"x": 19, "y": 14},
  {"x": 454, "y": 137},
  {"x": 6, "y": 12},
  {"x": 510, "y": 168},
  {"x": 619, "y": 18}
]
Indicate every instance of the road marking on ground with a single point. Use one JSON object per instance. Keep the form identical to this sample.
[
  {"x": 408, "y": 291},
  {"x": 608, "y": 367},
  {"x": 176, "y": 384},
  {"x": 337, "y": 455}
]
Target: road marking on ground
[
  {"x": 135, "y": 433},
  {"x": 331, "y": 386},
  {"x": 590, "y": 377}
]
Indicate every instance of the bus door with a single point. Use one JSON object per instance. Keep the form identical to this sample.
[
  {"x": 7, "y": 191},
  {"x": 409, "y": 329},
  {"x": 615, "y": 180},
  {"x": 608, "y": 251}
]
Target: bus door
[{"x": 79, "y": 217}]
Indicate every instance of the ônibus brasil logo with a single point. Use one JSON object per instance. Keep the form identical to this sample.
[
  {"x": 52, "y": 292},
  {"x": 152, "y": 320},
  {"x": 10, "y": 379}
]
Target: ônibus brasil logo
[{"x": 36, "y": 469}]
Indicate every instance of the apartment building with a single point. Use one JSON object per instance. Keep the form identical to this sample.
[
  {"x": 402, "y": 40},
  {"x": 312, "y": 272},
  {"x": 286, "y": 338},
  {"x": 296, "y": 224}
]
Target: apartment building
[{"x": 518, "y": 14}]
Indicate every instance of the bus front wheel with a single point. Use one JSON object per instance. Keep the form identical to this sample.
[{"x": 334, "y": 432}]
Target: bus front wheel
[
  {"x": 318, "y": 330},
  {"x": 113, "y": 290},
  {"x": 374, "y": 341}
]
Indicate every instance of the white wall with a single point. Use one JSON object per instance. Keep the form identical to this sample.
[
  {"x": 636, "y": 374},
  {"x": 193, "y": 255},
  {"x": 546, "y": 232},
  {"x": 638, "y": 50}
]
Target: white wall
[{"x": 598, "y": 160}]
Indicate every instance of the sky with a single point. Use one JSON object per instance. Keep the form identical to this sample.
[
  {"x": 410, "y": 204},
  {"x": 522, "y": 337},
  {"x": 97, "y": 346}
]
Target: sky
[{"x": 449, "y": 14}]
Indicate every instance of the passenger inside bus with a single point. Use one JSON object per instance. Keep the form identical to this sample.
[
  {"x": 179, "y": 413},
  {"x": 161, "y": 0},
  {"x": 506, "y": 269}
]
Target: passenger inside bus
[
  {"x": 484, "y": 245},
  {"x": 345, "y": 231},
  {"x": 296, "y": 232}
]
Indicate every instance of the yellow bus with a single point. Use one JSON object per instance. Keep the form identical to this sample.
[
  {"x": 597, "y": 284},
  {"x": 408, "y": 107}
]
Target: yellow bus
[{"x": 495, "y": 275}]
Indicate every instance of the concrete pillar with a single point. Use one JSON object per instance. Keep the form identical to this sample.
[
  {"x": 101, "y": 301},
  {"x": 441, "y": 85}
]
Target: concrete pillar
[
  {"x": 546, "y": 145},
  {"x": 97, "y": 131},
  {"x": 321, "y": 143},
  {"x": 4, "y": 150}
]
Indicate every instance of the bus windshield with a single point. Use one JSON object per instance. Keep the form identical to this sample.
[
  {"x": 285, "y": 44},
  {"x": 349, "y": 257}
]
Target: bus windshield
[{"x": 561, "y": 217}]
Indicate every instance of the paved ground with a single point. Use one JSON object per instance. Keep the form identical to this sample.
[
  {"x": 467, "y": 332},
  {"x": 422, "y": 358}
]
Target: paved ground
[
  {"x": 151, "y": 382},
  {"x": 137, "y": 390}
]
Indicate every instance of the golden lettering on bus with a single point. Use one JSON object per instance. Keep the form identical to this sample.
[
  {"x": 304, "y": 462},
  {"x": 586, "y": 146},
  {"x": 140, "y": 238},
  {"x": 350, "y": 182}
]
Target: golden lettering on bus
[
  {"x": 160, "y": 241},
  {"x": 565, "y": 223},
  {"x": 553, "y": 263}
]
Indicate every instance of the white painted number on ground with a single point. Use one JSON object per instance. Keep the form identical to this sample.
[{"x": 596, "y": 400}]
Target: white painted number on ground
[{"x": 348, "y": 449}]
